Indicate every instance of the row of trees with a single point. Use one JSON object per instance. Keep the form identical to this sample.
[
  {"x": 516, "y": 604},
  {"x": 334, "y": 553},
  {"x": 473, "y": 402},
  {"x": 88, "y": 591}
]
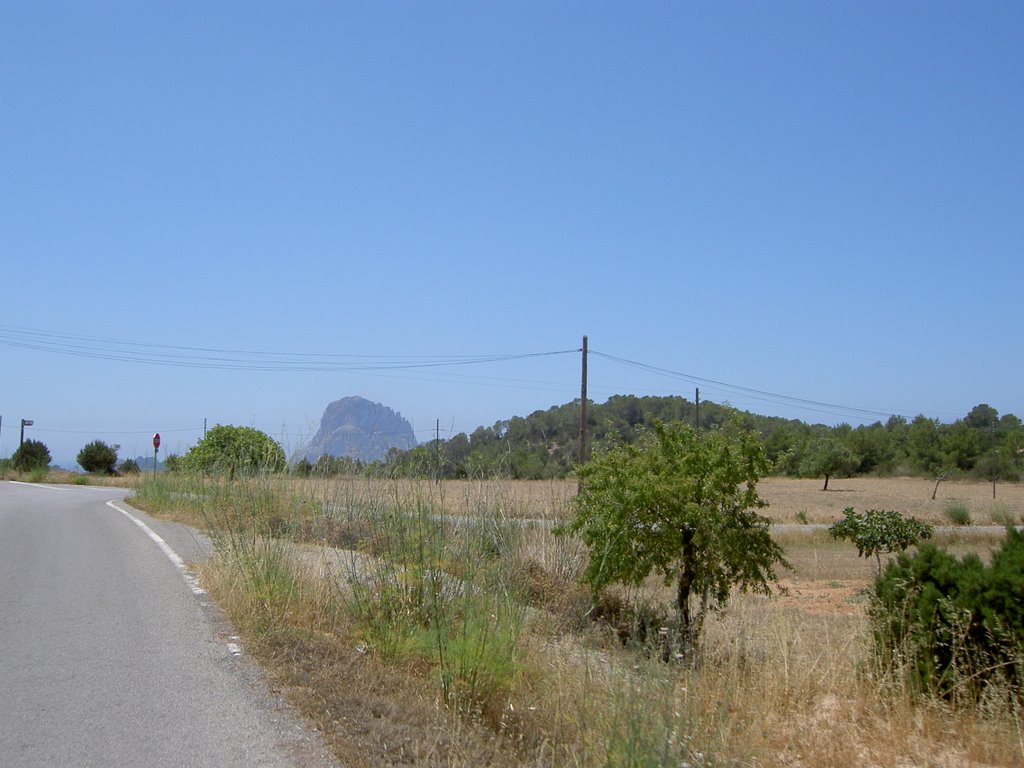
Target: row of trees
[
  {"x": 97, "y": 457},
  {"x": 545, "y": 443}
]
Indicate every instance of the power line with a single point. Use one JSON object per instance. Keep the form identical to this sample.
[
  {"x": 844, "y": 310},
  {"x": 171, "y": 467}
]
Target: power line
[
  {"x": 183, "y": 356},
  {"x": 757, "y": 394},
  {"x": 240, "y": 360}
]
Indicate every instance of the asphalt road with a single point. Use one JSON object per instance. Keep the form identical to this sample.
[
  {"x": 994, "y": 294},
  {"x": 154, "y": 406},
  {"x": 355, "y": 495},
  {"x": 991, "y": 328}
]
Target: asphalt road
[{"x": 109, "y": 656}]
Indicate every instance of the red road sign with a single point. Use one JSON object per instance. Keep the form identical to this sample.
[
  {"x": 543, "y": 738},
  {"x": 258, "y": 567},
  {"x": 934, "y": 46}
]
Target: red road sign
[{"x": 156, "y": 440}]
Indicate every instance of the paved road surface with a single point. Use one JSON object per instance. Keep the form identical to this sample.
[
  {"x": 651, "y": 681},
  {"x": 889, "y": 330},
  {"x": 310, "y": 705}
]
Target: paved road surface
[{"x": 109, "y": 658}]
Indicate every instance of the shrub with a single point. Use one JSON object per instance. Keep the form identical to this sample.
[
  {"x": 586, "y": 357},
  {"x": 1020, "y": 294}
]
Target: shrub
[
  {"x": 950, "y": 627},
  {"x": 957, "y": 512},
  {"x": 235, "y": 450},
  {"x": 31, "y": 455},
  {"x": 98, "y": 457}
]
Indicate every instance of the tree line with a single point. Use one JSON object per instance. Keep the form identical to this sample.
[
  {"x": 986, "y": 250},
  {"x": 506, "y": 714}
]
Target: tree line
[{"x": 545, "y": 444}]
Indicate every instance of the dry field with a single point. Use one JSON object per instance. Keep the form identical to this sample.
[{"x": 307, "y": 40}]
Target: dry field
[
  {"x": 787, "y": 680},
  {"x": 790, "y": 500}
]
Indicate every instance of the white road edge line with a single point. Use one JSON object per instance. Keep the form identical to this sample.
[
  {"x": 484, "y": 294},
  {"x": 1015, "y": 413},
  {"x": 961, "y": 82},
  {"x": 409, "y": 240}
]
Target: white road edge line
[
  {"x": 173, "y": 556},
  {"x": 193, "y": 583},
  {"x": 39, "y": 485}
]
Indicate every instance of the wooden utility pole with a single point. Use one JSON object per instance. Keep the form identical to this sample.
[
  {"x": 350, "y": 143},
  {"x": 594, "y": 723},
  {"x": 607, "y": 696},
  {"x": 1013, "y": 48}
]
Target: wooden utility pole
[
  {"x": 696, "y": 411},
  {"x": 583, "y": 407}
]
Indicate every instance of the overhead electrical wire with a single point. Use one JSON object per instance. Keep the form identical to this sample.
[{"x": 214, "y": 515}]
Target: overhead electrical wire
[
  {"x": 318, "y": 362},
  {"x": 240, "y": 360},
  {"x": 757, "y": 394}
]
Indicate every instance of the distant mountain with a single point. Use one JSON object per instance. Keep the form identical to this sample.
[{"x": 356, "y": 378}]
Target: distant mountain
[{"x": 356, "y": 428}]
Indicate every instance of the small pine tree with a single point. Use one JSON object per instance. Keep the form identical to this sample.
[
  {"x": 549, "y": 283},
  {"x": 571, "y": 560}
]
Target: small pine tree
[{"x": 953, "y": 627}]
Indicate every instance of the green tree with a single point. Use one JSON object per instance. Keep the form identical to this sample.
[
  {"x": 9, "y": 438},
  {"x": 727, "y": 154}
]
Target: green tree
[
  {"x": 681, "y": 504},
  {"x": 98, "y": 457},
  {"x": 32, "y": 454},
  {"x": 982, "y": 416},
  {"x": 233, "y": 450},
  {"x": 129, "y": 467},
  {"x": 924, "y": 446},
  {"x": 880, "y": 531},
  {"x": 829, "y": 457},
  {"x": 962, "y": 444}
]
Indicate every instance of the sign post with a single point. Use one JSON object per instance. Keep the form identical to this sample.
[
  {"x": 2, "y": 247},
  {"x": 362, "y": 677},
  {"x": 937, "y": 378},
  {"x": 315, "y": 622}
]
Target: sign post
[{"x": 156, "y": 450}]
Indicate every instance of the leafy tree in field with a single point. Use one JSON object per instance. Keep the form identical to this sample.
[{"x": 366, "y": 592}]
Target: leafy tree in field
[
  {"x": 32, "y": 454},
  {"x": 880, "y": 531},
  {"x": 827, "y": 456},
  {"x": 681, "y": 504},
  {"x": 232, "y": 450},
  {"x": 98, "y": 457}
]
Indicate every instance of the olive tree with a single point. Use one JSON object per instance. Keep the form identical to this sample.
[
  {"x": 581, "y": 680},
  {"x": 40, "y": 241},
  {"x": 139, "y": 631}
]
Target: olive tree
[
  {"x": 828, "y": 456},
  {"x": 232, "y": 450},
  {"x": 681, "y": 504}
]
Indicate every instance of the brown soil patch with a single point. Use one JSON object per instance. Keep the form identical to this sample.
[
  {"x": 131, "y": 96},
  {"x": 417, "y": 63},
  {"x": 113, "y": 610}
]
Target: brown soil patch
[
  {"x": 822, "y": 597},
  {"x": 792, "y": 499}
]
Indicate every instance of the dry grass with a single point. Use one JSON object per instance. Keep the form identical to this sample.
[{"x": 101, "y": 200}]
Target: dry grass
[
  {"x": 785, "y": 681},
  {"x": 369, "y": 712},
  {"x": 791, "y": 499},
  {"x": 64, "y": 477}
]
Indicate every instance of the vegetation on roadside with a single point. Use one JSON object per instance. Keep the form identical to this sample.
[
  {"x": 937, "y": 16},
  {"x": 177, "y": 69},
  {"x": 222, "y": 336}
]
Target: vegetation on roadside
[
  {"x": 31, "y": 456},
  {"x": 418, "y": 628},
  {"x": 229, "y": 450}
]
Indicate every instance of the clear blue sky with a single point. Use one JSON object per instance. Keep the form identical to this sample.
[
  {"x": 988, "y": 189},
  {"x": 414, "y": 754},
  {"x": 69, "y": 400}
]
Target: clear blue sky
[{"x": 821, "y": 201}]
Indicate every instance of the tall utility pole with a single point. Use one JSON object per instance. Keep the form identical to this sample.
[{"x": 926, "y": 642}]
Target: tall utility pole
[
  {"x": 696, "y": 411},
  {"x": 583, "y": 407}
]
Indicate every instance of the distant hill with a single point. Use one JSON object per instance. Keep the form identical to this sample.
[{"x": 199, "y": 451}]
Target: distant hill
[{"x": 357, "y": 428}]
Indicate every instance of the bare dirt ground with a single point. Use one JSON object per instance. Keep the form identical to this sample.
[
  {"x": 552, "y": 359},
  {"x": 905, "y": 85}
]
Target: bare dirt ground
[{"x": 789, "y": 497}]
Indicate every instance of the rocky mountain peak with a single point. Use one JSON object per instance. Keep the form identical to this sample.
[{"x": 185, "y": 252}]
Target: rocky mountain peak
[{"x": 357, "y": 428}]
